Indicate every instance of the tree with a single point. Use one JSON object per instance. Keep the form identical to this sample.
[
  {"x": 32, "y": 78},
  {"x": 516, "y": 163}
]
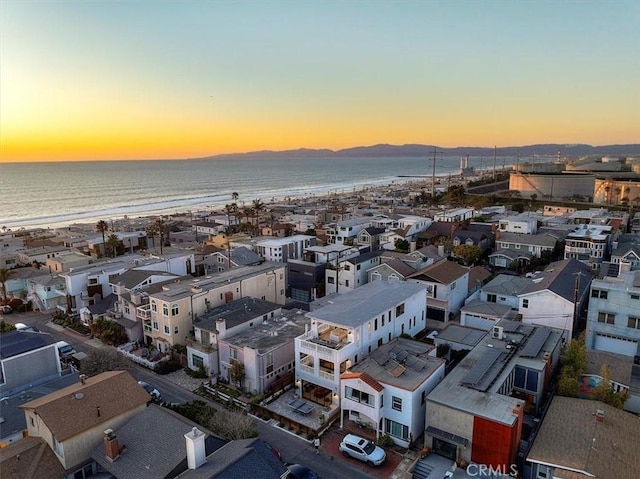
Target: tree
[
  {"x": 234, "y": 197},
  {"x": 401, "y": 245},
  {"x": 109, "y": 332},
  {"x": 237, "y": 373},
  {"x": 6, "y": 327},
  {"x": 258, "y": 207},
  {"x": 102, "y": 360},
  {"x": 229, "y": 210},
  {"x": 5, "y": 275},
  {"x": 103, "y": 227},
  {"x": 160, "y": 225},
  {"x": 572, "y": 364},
  {"x": 468, "y": 254},
  {"x": 604, "y": 391},
  {"x": 152, "y": 232},
  {"x": 233, "y": 425},
  {"x": 112, "y": 244}
]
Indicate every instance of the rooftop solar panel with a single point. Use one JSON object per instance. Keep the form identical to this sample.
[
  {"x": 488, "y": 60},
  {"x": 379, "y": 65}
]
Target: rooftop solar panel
[
  {"x": 481, "y": 367},
  {"x": 535, "y": 342}
]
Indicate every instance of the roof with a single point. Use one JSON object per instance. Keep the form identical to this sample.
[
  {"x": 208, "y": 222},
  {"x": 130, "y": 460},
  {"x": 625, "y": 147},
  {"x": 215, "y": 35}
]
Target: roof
[
  {"x": 30, "y": 457},
  {"x": 154, "y": 445},
  {"x": 364, "y": 377},
  {"x": 507, "y": 285},
  {"x": 527, "y": 239},
  {"x": 74, "y": 409},
  {"x": 484, "y": 308},
  {"x": 402, "y": 363},
  {"x": 511, "y": 254},
  {"x": 560, "y": 278},
  {"x": 369, "y": 300},
  {"x": 606, "y": 450},
  {"x": 443, "y": 272},
  {"x": 398, "y": 266},
  {"x": 619, "y": 366},
  {"x": 478, "y": 274},
  {"x": 361, "y": 258},
  {"x": 239, "y": 460},
  {"x": 134, "y": 277},
  {"x": 236, "y": 312},
  {"x": 13, "y": 343},
  {"x": 461, "y": 334}
]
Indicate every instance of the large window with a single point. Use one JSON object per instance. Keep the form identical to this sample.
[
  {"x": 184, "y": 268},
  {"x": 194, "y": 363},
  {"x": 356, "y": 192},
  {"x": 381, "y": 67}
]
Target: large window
[
  {"x": 399, "y": 310},
  {"x": 633, "y": 322},
  {"x": 174, "y": 310},
  {"x": 607, "y": 318},
  {"x": 597, "y": 293},
  {"x": 396, "y": 429},
  {"x": 526, "y": 379},
  {"x": 359, "y": 396},
  {"x": 197, "y": 361},
  {"x": 165, "y": 309}
]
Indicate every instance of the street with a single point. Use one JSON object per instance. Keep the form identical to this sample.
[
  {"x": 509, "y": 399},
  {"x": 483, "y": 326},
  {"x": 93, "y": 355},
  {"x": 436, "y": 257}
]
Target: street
[{"x": 293, "y": 448}]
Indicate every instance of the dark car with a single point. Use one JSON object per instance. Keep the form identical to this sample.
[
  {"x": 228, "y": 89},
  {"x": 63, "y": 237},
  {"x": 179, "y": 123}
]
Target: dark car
[{"x": 298, "y": 471}]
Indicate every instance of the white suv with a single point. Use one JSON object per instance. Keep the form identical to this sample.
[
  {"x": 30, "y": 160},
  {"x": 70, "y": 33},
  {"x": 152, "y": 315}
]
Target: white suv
[{"x": 363, "y": 449}]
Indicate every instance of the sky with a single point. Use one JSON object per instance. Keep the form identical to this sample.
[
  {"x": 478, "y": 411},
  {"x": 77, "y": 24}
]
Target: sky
[{"x": 117, "y": 80}]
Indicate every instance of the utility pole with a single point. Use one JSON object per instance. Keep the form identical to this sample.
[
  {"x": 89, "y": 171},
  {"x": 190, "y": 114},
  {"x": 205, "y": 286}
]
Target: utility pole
[
  {"x": 495, "y": 179},
  {"x": 575, "y": 298},
  {"x": 433, "y": 178}
]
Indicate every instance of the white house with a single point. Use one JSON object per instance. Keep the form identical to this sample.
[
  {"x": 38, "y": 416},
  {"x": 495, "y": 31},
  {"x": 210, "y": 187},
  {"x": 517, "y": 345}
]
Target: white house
[
  {"x": 387, "y": 390},
  {"x": 526, "y": 223},
  {"x": 351, "y": 273},
  {"x": 589, "y": 244},
  {"x": 454, "y": 215},
  {"x": 345, "y": 328},
  {"x": 346, "y": 232},
  {"x": 280, "y": 250}
]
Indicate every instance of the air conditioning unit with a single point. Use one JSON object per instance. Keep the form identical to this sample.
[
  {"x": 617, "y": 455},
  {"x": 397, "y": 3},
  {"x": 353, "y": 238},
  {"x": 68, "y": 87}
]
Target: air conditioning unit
[{"x": 497, "y": 332}]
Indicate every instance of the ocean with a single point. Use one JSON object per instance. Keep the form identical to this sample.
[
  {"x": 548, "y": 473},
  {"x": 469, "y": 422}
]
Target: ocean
[{"x": 57, "y": 194}]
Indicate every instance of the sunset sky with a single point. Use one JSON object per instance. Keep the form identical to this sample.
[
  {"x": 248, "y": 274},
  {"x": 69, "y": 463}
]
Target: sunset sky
[{"x": 101, "y": 80}]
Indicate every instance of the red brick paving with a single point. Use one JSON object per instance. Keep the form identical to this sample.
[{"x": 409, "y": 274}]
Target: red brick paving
[{"x": 330, "y": 443}]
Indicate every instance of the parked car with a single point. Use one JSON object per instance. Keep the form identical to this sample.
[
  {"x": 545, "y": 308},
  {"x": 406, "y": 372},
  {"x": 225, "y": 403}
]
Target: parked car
[
  {"x": 363, "y": 449},
  {"x": 6, "y": 309},
  {"x": 24, "y": 327},
  {"x": 64, "y": 349},
  {"x": 298, "y": 471},
  {"x": 153, "y": 392}
]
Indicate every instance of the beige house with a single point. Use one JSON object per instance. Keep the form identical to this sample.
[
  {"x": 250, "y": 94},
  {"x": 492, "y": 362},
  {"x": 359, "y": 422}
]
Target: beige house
[{"x": 72, "y": 420}]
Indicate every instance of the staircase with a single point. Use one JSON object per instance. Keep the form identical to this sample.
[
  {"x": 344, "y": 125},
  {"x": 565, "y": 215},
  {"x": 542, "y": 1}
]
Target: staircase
[{"x": 421, "y": 470}]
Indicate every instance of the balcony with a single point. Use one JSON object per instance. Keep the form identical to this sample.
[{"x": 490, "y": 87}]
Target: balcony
[
  {"x": 144, "y": 312},
  {"x": 204, "y": 348}
]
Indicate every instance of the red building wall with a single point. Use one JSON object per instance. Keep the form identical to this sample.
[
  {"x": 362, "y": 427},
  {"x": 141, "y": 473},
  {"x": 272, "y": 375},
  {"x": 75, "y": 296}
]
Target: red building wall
[{"x": 495, "y": 444}]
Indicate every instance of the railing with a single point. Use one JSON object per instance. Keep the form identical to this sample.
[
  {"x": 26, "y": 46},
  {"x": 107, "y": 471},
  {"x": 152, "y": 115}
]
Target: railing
[
  {"x": 327, "y": 375},
  {"x": 306, "y": 369},
  {"x": 143, "y": 312}
]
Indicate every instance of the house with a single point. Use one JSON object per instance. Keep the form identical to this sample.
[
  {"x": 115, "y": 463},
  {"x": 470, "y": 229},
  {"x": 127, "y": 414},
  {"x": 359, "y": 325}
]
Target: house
[
  {"x": 345, "y": 328},
  {"x": 533, "y": 244},
  {"x": 221, "y": 322},
  {"x": 169, "y": 316},
  {"x": 498, "y": 299},
  {"x": 625, "y": 256},
  {"x": 30, "y": 457},
  {"x": 206, "y": 230},
  {"x": 624, "y": 376},
  {"x": 388, "y": 388},
  {"x": 597, "y": 440},
  {"x": 613, "y": 318},
  {"x": 40, "y": 254},
  {"x": 72, "y": 420},
  {"x": 153, "y": 444},
  {"x": 589, "y": 244},
  {"x": 66, "y": 261},
  {"x": 267, "y": 351},
  {"x": 351, "y": 272},
  {"x": 393, "y": 270},
  {"x": 281, "y": 250},
  {"x": 510, "y": 258},
  {"x": 370, "y": 237},
  {"x": 48, "y": 292},
  {"x": 484, "y": 410},
  {"x": 346, "y": 231},
  {"x": 459, "y": 338},
  {"x": 524, "y": 223},
  {"x": 447, "y": 286},
  {"x": 26, "y": 358},
  {"x": 223, "y": 260},
  {"x": 454, "y": 215},
  {"x": 474, "y": 234}
]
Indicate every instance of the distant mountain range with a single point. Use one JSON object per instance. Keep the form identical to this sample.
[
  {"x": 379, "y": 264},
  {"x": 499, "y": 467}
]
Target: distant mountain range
[{"x": 383, "y": 150}]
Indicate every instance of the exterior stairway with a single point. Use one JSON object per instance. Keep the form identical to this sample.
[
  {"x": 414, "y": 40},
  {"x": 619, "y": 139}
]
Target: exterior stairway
[{"x": 421, "y": 470}]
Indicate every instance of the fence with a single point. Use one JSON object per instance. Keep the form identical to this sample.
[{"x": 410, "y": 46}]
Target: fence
[{"x": 126, "y": 349}]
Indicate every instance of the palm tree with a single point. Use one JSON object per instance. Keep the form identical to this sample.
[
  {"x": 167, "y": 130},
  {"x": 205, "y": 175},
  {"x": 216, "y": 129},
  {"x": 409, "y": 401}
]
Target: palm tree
[
  {"x": 112, "y": 242},
  {"x": 229, "y": 209},
  {"x": 160, "y": 224},
  {"x": 152, "y": 231},
  {"x": 235, "y": 196},
  {"x": 258, "y": 206},
  {"x": 103, "y": 227},
  {"x": 5, "y": 275}
]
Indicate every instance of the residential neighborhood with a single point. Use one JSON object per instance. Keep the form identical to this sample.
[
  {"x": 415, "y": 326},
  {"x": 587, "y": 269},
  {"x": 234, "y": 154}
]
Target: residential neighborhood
[{"x": 435, "y": 333}]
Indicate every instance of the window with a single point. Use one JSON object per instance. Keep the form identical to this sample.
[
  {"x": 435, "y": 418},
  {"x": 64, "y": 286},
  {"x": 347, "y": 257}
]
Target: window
[
  {"x": 347, "y": 267},
  {"x": 155, "y": 325},
  {"x": 635, "y": 296},
  {"x": 526, "y": 379},
  {"x": 330, "y": 280},
  {"x": 607, "y": 318},
  {"x": 597, "y": 293},
  {"x": 525, "y": 303},
  {"x": 346, "y": 283},
  {"x": 396, "y": 429},
  {"x": 197, "y": 361},
  {"x": 491, "y": 298},
  {"x": 233, "y": 355},
  {"x": 453, "y": 285},
  {"x": 399, "y": 310},
  {"x": 176, "y": 329},
  {"x": 57, "y": 447},
  {"x": 166, "y": 329},
  {"x": 165, "y": 309},
  {"x": 174, "y": 310},
  {"x": 396, "y": 403},
  {"x": 126, "y": 309},
  {"x": 633, "y": 322},
  {"x": 359, "y": 396}
]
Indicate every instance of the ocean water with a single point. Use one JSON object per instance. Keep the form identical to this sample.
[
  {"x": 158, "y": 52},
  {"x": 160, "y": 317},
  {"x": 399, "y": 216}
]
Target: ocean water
[{"x": 56, "y": 194}]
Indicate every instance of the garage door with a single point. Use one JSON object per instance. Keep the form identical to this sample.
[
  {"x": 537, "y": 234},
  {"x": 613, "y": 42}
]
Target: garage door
[{"x": 616, "y": 345}]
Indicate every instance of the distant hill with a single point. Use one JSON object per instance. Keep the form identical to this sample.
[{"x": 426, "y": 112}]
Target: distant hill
[{"x": 383, "y": 150}]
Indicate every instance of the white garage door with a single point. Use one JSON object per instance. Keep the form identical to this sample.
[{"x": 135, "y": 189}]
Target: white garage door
[{"x": 616, "y": 345}]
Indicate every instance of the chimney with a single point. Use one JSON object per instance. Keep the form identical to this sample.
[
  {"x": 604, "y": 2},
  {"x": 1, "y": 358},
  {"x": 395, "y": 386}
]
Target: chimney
[
  {"x": 83, "y": 378},
  {"x": 600, "y": 415},
  {"x": 195, "y": 448},
  {"x": 440, "y": 250},
  {"x": 111, "y": 446}
]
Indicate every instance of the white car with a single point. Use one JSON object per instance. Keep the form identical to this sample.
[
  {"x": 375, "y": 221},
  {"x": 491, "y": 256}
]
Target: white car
[
  {"x": 363, "y": 449},
  {"x": 153, "y": 392}
]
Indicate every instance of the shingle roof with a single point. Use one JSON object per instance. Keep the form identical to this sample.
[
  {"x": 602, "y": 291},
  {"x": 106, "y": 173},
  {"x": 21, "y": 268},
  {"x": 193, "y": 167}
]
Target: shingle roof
[
  {"x": 443, "y": 272},
  {"x": 30, "y": 457},
  {"x": 606, "y": 450},
  {"x": 236, "y": 312},
  {"x": 364, "y": 377},
  {"x": 74, "y": 409},
  {"x": 527, "y": 239},
  {"x": 400, "y": 267},
  {"x": 133, "y": 277},
  {"x": 154, "y": 445},
  {"x": 560, "y": 277}
]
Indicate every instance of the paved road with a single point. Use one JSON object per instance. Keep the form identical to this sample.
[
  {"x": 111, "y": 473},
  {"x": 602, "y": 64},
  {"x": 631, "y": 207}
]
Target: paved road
[{"x": 293, "y": 448}]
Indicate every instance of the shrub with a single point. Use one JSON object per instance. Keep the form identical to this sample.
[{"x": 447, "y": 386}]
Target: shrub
[
  {"x": 385, "y": 441},
  {"x": 200, "y": 373},
  {"x": 166, "y": 367}
]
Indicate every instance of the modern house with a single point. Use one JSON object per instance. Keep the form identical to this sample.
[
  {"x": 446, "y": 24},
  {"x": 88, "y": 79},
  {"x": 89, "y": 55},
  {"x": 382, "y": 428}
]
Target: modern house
[
  {"x": 26, "y": 358},
  {"x": 597, "y": 440},
  {"x": 72, "y": 420},
  {"x": 346, "y": 231},
  {"x": 345, "y": 328},
  {"x": 613, "y": 318},
  {"x": 223, "y": 260},
  {"x": 454, "y": 215},
  {"x": 484, "y": 410},
  {"x": 523, "y": 223},
  {"x": 281, "y": 250},
  {"x": 351, "y": 273},
  {"x": 589, "y": 244},
  {"x": 387, "y": 390}
]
